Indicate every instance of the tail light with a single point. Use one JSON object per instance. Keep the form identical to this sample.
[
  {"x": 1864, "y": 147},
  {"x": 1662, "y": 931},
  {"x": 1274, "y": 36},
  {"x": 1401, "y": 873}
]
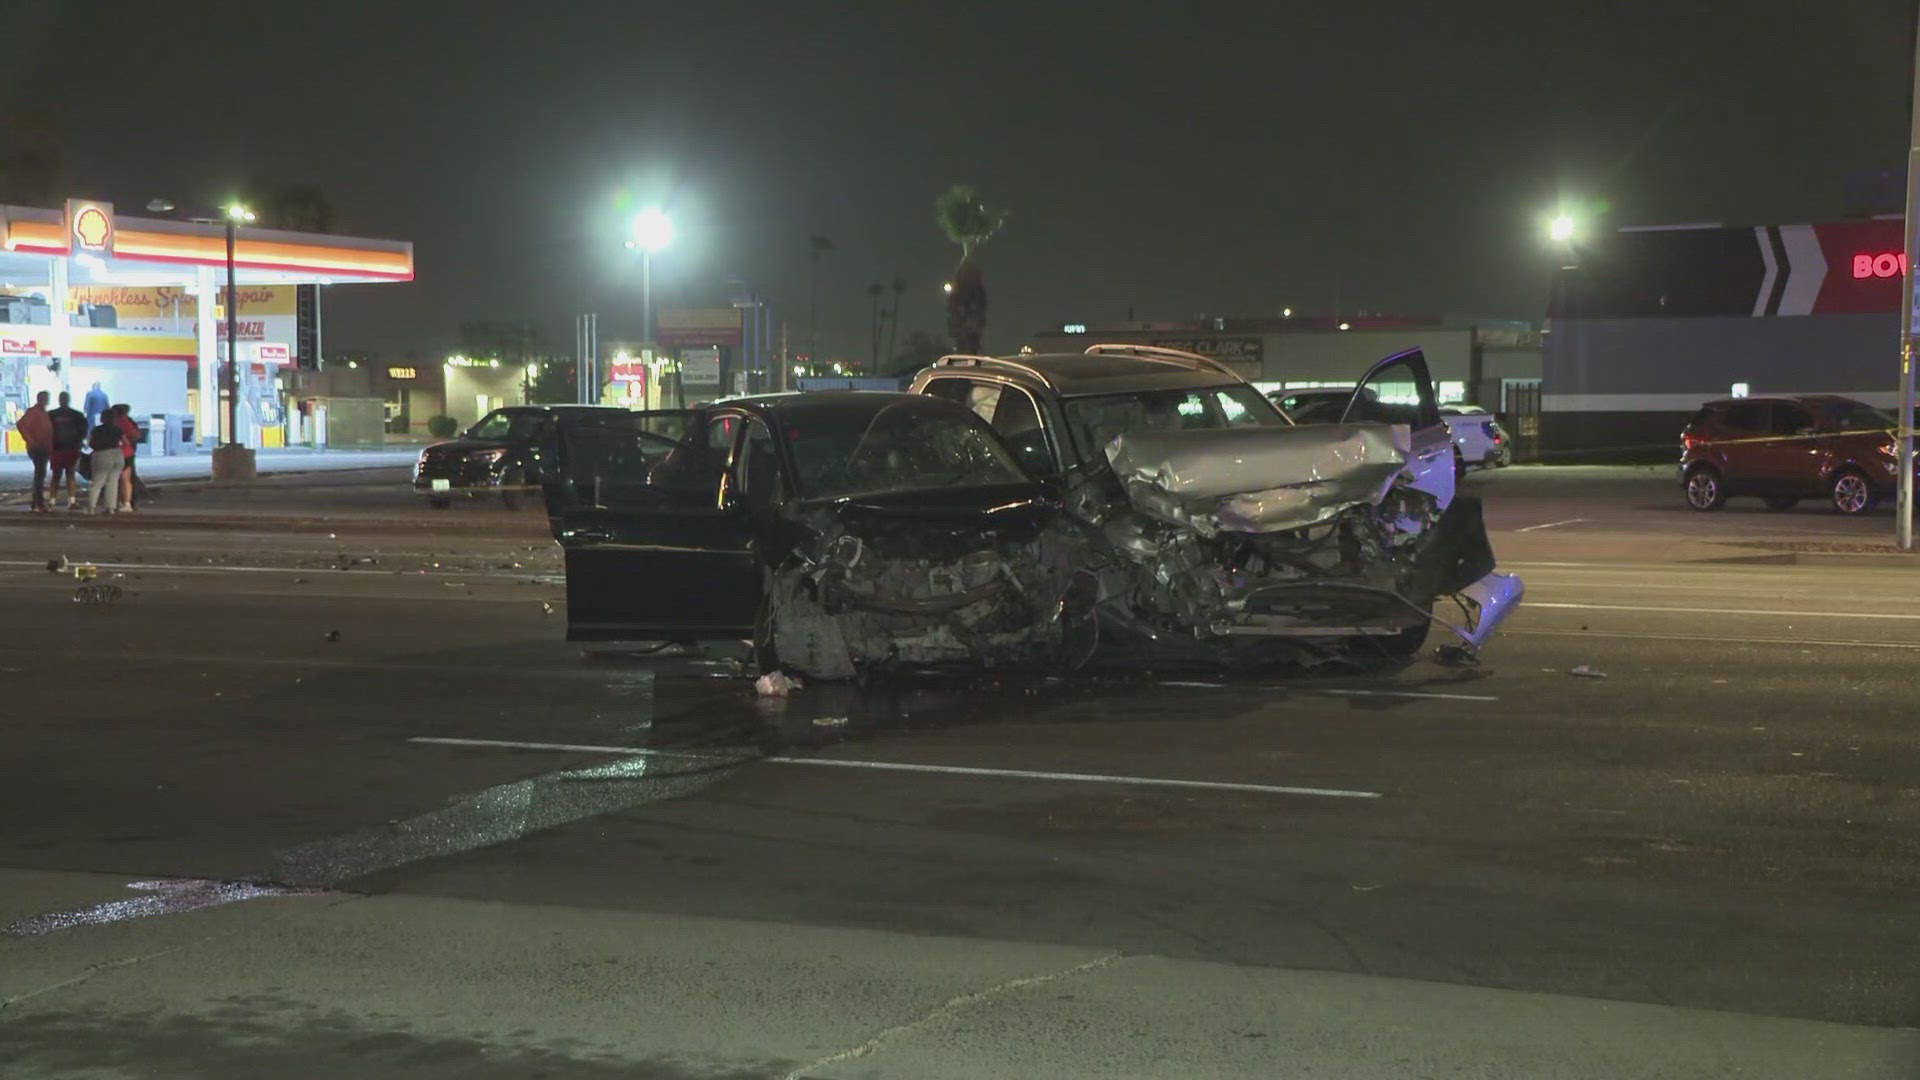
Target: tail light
[{"x": 1687, "y": 440}]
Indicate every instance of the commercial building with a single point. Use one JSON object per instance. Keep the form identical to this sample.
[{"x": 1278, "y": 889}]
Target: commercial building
[
  {"x": 1646, "y": 324},
  {"x": 139, "y": 305},
  {"x": 1485, "y": 361}
]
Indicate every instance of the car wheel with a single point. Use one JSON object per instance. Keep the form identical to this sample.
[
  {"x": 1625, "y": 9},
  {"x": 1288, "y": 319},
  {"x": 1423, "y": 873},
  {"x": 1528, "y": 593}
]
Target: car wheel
[
  {"x": 1704, "y": 489},
  {"x": 1852, "y": 494},
  {"x": 439, "y": 504},
  {"x": 1781, "y": 502}
]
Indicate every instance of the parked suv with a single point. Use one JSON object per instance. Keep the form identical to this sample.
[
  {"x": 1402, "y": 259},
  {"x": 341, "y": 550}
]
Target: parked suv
[
  {"x": 501, "y": 455},
  {"x": 1784, "y": 449}
]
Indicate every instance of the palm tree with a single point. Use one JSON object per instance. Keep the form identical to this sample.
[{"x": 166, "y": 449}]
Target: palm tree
[
  {"x": 969, "y": 223},
  {"x": 893, "y": 327},
  {"x": 294, "y": 207},
  {"x": 874, "y": 291}
]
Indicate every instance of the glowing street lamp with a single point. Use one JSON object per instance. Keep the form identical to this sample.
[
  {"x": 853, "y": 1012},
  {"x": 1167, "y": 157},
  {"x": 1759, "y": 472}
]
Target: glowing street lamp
[
  {"x": 1561, "y": 229},
  {"x": 236, "y": 214},
  {"x": 652, "y": 231}
]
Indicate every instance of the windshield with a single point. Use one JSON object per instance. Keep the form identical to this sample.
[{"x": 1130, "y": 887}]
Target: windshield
[
  {"x": 1097, "y": 421},
  {"x": 910, "y": 445},
  {"x": 1853, "y": 416},
  {"x": 509, "y": 426}
]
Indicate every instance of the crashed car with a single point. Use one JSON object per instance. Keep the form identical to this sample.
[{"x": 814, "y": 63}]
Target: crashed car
[
  {"x": 836, "y": 532},
  {"x": 1133, "y": 507},
  {"x": 1222, "y": 532}
]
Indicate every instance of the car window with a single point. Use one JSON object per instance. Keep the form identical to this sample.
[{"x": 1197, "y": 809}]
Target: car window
[
  {"x": 517, "y": 426},
  {"x": 1790, "y": 419},
  {"x": 1397, "y": 391},
  {"x": 1853, "y": 416},
  {"x": 1016, "y": 418},
  {"x": 1746, "y": 416},
  {"x": 1096, "y": 421},
  {"x": 904, "y": 446},
  {"x": 756, "y": 471}
]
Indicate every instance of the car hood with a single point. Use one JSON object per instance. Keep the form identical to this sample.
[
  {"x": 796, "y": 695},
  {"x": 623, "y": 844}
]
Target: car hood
[
  {"x": 1259, "y": 479},
  {"x": 964, "y": 515},
  {"x": 462, "y": 446}
]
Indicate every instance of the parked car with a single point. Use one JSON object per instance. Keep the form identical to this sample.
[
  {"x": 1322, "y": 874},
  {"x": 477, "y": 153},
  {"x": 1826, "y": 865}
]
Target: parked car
[
  {"x": 500, "y": 455},
  {"x": 1477, "y": 437},
  {"x": 1787, "y": 448},
  {"x": 1228, "y": 533}
]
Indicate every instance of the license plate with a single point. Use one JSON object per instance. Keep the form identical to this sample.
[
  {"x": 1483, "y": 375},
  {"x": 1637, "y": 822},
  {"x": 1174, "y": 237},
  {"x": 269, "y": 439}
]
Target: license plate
[{"x": 443, "y": 485}]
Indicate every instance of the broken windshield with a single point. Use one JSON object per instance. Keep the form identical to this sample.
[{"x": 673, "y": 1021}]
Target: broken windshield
[{"x": 909, "y": 445}]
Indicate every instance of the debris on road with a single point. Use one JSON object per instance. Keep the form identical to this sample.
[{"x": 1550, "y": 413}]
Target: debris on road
[
  {"x": 333, "y": 635},
  {"x": 96, "y": 594},
  {"x": 775, "y": 684},
  {"x": 1585, "y": 672},
  {"x": 829, "y": 721},
  {"x": 58, "y": 565},
  {"x": 85, "y": 572},
  {"x": 1456, "y": 656},
  {"x": 546, "y": 608}
]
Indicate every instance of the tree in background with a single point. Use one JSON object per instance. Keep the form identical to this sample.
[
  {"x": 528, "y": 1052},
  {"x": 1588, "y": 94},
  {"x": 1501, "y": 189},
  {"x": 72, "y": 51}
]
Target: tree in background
[
  {"x": 521, "y": 344},
  {"x": 919, "y": 350},
  {"x": 968, "y": 222}
]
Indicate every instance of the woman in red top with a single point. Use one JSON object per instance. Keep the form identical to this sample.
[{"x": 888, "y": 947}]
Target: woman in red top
[{"x": 120, "y": 417}]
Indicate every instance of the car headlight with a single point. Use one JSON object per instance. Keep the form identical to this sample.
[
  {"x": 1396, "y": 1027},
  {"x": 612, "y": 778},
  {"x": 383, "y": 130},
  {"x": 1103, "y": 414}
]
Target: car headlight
[{"x": 487, "y": 457}]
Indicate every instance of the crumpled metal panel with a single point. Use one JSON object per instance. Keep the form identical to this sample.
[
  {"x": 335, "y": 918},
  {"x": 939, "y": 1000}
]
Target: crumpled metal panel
[{"x": 1259, "y": 479}]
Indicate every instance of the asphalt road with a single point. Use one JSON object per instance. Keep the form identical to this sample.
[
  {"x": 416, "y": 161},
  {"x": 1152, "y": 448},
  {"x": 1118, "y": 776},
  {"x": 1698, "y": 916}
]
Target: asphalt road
[{"x": 446, "y": 844}]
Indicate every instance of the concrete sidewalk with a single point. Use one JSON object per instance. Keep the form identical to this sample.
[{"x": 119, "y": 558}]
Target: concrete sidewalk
[{"x": 16, "y": 472}]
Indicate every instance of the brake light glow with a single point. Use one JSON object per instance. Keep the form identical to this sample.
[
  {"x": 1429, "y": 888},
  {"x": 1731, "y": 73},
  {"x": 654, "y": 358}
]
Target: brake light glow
[{"x": 1687, "y": 440}]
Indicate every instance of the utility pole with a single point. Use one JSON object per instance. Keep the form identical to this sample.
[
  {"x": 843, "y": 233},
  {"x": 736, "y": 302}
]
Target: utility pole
[
  {"x": 816, "y": 246},
  {"x": 1903, "y": 510}
]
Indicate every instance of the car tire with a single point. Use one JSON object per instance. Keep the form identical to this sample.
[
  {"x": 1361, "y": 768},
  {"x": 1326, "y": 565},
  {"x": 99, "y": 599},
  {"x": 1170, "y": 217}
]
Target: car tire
[
  {"x": 1852, "y": 492},
  {"x": 1704, "y": 488},
  {"x": 1781, "y": 502},
  {"x": 440, "y": 504}
]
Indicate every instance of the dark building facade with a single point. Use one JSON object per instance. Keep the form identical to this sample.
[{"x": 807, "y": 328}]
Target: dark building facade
[{"x": 1653, "y": 322}]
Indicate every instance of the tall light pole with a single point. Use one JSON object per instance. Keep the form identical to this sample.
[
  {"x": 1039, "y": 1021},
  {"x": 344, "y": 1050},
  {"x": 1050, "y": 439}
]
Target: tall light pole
[
  {"x": 1903, "y": 505},
  {"x": 236, "y": 214},
  {"x": 652, "y": 231}
]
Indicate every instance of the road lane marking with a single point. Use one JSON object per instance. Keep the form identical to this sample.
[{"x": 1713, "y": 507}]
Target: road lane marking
[
  {"x": 1726, "y": 611},
  {"x": 327, "y": 568},
  {"x": 1834, "y": 643},
  {"x": 1552, "y": 525},
  {"x": 904, "y": 766},
  {"x": 1405, "y": 694}
]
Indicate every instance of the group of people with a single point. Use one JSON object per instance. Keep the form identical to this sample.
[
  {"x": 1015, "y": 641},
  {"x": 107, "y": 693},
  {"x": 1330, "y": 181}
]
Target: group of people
[{"x": 55, "y": 438}]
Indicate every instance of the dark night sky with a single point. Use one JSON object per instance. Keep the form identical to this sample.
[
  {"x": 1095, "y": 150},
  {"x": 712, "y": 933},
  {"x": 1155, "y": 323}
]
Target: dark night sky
[{"x": 1179, "y": 158}]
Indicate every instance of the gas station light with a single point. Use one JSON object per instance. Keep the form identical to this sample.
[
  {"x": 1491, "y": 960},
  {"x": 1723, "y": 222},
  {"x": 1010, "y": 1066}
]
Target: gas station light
[
  {"x": 239, "y": 213},
  {"x": 1561, "y": 229},
  {"x": 652, "y": 230},
  {"x": 946, "y": 287},
  {"x": 1346, "y": 326}
]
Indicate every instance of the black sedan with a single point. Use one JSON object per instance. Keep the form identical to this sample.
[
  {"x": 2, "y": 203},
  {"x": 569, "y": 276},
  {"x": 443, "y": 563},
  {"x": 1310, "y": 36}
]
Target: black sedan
[{"x": 505, "y": 454}]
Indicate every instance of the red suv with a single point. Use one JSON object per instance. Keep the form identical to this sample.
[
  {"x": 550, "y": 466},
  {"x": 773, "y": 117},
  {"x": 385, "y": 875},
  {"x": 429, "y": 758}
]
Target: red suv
[{"x": 1784, "y": 449}]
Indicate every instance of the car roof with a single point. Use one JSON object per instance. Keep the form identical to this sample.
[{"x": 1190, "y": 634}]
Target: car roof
[
  {"x": 558, "y": 407},
  {"x": 1798, "y": 399},
  {"x": 795, "y": 401},
  {"x": 1084, "y": 374}
]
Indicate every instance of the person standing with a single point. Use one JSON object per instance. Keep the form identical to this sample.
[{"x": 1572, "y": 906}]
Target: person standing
[
  {"x": 122, "y": 417},
  {"x": 107, "y": 464},
  {"x": 94, "y": 405},
  {"x": 69, "y": 434},
  {"x": 36, "y": 430}
]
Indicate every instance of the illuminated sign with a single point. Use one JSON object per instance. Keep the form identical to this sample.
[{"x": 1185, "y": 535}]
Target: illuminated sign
[
  {"x": 1884, "y": 264},
  {"x": 1074, "y": 328},
  {"x": 272, "y": 352},
  {"x": 402, "y": 373},
  {"x": 21, "y": 346},
  {"x": 91, "y": 225}
]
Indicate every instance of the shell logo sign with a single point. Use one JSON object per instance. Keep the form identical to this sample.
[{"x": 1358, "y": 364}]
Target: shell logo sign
[{"x": 91, "y": 224}]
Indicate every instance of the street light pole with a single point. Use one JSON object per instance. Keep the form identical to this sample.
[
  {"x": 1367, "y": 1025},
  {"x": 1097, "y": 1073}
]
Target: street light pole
[
  {"x": 235, "y": 215},
  {"x": 1903, "y": 428}
]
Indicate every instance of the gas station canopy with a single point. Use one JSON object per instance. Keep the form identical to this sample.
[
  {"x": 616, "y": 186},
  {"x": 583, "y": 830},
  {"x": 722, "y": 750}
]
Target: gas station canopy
[{"x": 138, "y": 303}]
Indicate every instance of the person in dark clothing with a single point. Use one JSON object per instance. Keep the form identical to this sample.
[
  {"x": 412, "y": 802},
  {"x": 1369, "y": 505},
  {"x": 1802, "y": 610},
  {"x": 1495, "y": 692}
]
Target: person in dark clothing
[
  {"x": 122, "y": 417},
  {"x": 69, "y": 432}
]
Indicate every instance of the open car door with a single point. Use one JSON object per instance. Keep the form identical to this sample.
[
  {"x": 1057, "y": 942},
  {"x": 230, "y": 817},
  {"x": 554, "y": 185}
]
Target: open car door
[
  {"x": 1399, "y": 390},
  {"x": 655, "y": 550}
]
